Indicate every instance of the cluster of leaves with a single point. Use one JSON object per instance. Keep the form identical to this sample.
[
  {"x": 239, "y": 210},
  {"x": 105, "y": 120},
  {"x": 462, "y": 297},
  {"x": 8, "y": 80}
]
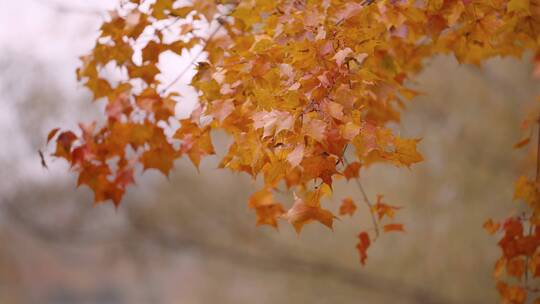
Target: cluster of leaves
[
  {"x": 297, "y": 84},
  {"x": 520, "y": 246}
]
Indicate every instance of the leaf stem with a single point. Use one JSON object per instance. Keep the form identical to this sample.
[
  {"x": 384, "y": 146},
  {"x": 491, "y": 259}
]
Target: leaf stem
[
  {"x": 370, "y": 205},
  {"x": 220, "y": 20},
  {"x": 367, "y": 202},
  {"x": 195, "y": 58}
]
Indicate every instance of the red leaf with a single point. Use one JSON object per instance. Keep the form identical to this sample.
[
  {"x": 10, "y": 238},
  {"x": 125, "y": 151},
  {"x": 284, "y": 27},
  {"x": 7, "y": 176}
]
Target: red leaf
[{"x": 362, "y": 246}]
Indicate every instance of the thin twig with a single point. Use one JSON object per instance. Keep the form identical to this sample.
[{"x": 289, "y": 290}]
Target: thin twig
[
  {"x": 168, "y": 26},
  {"x": 370, "y": 205},
  {"x": 366, "y": 201},
  {"x": 195, "y": 58}
]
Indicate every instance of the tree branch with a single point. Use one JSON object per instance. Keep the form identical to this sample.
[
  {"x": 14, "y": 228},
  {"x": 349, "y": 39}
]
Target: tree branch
[{"x": 366, "y": 201}]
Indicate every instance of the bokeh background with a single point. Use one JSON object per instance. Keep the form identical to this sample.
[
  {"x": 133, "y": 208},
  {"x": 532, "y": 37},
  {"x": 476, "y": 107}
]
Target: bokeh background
[{"x": 191, "y": 238}]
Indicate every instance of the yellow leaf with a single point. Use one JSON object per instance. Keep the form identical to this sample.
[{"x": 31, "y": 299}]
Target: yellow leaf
[{"x": 405, "y": 152}]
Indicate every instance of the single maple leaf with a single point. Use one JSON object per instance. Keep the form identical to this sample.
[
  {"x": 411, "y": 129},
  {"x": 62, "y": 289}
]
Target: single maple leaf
[
  {"x": 347, "y": 207},
  {"x": 393, "y": 228},
  {"x": 491, "y": 227},
  {"x": 63, "y": 144},
  {"x": 352, "y": 170},
  {"x": 382, "y": 209},
  {"x": 302, "y": 213},
  {"x": 362, "y": 246},
  {"x": 266, "y": 209},
  {"x": 405, "y": 152},
  {"x": 160, "y": 158},
  {"x": 269, "y": 215}
]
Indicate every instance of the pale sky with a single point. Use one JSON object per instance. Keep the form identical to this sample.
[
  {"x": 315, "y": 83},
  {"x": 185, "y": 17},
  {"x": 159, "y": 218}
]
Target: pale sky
[{"x": 38, "y": 28}]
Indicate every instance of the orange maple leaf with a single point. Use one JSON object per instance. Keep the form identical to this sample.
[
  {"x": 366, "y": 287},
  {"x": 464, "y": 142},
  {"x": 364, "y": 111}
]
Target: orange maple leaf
[
  {"x": 267, "y": 210},
  {"x": 393, "y": 228},
  {"x": 362, "y": 246},
  {"x": 491, "y": 227},
  {"x": 352, "y": 170},
  {"x": 301, "y": 213},
  {"x": 382, "y": 209},
  {"x": 347, "y": 207}
]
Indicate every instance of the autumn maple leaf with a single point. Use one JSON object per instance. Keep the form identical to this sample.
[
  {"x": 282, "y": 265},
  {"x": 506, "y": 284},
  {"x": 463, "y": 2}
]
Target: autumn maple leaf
[
  {"x": 347, "y": 207},
  {"x": 302, "y": 213}
]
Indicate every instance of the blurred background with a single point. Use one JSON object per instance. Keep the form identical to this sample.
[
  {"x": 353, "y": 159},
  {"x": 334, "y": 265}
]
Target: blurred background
[{"x": 192, "y": 239}]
